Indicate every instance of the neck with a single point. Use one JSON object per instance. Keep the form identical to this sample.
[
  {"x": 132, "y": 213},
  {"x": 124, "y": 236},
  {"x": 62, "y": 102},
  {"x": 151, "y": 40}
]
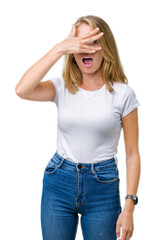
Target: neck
[{"x": 92, "y": 79}]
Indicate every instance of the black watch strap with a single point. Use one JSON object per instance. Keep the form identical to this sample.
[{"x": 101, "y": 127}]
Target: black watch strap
[{"x": 133, "y": 197}]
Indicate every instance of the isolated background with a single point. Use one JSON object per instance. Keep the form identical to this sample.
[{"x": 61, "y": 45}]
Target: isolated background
[{"x": 29, "y": 29}]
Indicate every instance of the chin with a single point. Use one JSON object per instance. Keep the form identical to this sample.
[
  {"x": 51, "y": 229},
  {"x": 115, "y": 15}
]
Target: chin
[{"x": 89, "y": 70}]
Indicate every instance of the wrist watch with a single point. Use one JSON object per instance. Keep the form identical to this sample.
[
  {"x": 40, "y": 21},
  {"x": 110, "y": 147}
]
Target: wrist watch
[{"x": 133, "y": 197}]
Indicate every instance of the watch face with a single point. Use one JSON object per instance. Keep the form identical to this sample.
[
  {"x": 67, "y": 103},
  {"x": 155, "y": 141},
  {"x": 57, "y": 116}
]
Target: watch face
[{"x": 136, "y": 200}]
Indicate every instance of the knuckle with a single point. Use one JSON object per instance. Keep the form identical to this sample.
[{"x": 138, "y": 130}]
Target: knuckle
[
  {"x": 125, "y": 229},
  {"x": 78, "y": 49},
  {"x": 78, "y": 45},
  {"x": 93, "y": 38},
  {"x": 92, "y": 48}
]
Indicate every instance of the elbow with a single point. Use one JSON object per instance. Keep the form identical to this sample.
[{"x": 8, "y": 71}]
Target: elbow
[{"x": 19, "y": 92}]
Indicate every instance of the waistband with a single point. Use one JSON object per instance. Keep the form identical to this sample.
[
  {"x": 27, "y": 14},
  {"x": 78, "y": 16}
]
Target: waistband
[{"x": 85, "y": 166}]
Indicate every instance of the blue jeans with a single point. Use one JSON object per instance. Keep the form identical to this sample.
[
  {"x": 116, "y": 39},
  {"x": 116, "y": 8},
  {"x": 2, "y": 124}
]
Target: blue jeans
[{"x": 92, "y": 190}]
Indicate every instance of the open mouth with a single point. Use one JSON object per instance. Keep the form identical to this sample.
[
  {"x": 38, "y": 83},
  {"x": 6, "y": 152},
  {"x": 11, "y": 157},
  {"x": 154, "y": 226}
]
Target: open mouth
[{"x": 87, "y": 61}]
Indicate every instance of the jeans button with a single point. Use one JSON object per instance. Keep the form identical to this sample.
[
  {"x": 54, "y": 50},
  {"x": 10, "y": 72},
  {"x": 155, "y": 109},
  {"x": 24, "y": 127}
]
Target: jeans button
[{"x": 79, "y": 166}]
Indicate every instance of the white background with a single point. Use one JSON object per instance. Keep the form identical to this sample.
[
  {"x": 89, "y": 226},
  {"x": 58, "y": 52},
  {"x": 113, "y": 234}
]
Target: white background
[{"x": 29, "y": 29}]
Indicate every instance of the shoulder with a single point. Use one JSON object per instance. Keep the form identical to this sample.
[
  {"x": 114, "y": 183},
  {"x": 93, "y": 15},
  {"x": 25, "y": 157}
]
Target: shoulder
[
  {"x": 119, "y": 88},
  {"x": 122, "y": 88},
  {"x": 123, "y": 92},
  {"x": 57, "y": 79},
  {"x": 58, "y": 82}
]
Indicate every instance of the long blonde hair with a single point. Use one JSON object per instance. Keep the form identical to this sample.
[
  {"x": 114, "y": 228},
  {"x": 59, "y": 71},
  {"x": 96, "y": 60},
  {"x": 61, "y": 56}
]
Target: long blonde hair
[{"x": 112, "y": 70}]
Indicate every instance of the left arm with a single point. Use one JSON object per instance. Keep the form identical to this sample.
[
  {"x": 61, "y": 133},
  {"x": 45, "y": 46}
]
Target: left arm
[{"x": 131, "y": 135}]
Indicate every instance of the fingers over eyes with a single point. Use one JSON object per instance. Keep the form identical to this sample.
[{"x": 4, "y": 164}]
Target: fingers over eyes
[
  {"x": 93, "y": 38},
  {"x": 86, "y": 35}
]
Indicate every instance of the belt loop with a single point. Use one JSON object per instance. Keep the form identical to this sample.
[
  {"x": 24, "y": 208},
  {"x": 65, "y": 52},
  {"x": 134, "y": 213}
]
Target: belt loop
[
  {"x": 92, "y": 168},
  {"x": 116, "y": 160},
  {"x": 63, "y": 154},
  {"x": 61, "y": 161}
]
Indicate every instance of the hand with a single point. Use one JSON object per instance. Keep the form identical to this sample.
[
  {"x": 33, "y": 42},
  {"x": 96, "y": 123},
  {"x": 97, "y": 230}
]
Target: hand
[
  {"x": 73, "y": 44},
  {"x": 125, "y": 220}
]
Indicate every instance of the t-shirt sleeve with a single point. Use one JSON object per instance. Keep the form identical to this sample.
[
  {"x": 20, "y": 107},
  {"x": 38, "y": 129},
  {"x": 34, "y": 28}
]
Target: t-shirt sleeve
[
  {"x": 129, "y": 101},
  {"x": 57, "y": 81}
]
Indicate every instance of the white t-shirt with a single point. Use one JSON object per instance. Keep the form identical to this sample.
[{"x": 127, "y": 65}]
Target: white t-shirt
[{"x": 89, "y": 122}]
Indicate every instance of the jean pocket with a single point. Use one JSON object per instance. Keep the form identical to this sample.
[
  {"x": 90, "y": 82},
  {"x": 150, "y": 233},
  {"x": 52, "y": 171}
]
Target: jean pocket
[
  {"x": 107, "y": 174},
  {"x": 51, "y": 167}
]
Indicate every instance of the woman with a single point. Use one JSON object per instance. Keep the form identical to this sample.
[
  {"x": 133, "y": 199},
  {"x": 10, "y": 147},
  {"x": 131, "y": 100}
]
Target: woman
[{"x": 94, "y": 103}]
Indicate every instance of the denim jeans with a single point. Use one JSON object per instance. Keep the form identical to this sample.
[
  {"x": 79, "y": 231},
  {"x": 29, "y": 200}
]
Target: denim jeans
[{"x": 90, "y": 189}]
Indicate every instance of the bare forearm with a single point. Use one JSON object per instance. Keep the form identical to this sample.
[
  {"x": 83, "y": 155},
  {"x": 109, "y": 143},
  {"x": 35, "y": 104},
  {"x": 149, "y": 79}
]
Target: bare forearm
[
  {"x": 133, "y": 168},
  {"x": 38, "y": 70}
]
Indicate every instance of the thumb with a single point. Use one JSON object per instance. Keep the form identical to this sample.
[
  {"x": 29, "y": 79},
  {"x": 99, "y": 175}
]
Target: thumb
[{"x": 73, "y": 31}]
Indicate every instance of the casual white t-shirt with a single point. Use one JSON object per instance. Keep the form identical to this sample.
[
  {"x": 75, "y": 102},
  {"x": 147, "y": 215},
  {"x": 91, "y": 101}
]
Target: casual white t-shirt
[{"x": 89, "y": 122}]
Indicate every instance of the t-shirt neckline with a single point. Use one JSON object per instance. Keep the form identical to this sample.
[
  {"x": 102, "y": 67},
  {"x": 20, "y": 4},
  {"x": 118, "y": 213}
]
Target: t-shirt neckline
[{"x": 92, "y": 91}]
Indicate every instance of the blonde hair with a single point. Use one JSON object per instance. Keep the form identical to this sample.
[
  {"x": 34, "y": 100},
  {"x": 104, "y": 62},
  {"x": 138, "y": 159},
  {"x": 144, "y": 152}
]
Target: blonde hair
[{"x": 112, "y": 70}]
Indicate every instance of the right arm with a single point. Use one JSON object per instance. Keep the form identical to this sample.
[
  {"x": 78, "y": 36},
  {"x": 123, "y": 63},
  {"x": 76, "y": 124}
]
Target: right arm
[{"x": 29, "y": 87}]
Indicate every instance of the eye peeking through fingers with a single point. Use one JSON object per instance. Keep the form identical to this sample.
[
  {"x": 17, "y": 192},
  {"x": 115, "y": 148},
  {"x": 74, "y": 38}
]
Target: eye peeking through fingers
[{"x": 95, "y": 42}]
